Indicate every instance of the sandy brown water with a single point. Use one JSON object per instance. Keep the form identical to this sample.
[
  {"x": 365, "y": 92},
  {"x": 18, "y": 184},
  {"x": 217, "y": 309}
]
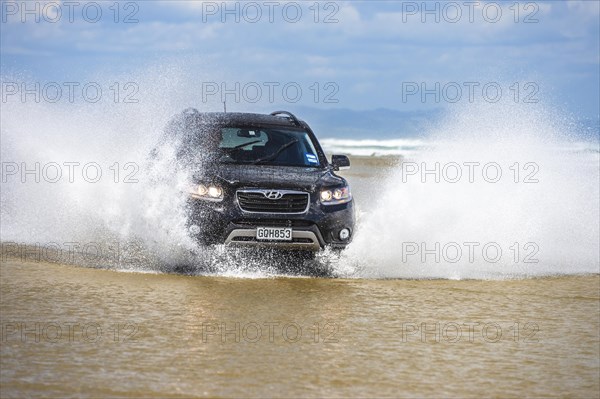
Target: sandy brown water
[{"x": 71, "y": 331}]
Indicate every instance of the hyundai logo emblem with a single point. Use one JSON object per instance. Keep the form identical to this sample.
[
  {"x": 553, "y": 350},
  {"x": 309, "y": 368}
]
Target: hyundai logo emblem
[{"x": 273, "y": 195}]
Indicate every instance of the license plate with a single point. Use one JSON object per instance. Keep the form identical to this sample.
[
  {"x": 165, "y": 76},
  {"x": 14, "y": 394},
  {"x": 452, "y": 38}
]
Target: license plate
[{"x": 274, "y": 233}]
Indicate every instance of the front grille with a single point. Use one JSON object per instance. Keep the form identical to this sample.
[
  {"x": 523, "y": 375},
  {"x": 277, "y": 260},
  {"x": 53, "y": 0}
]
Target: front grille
[{"x": 257, "y": 201}]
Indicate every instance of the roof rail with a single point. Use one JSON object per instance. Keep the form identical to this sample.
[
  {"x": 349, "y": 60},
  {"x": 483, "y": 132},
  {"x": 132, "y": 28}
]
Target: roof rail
[{"x": 287, "y": 114}]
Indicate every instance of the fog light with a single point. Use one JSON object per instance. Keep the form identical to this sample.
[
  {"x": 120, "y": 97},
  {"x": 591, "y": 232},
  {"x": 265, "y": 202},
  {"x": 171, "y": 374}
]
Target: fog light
[{"x": 344, "y": 234}]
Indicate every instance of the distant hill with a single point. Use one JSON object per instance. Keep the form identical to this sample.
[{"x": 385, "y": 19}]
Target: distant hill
[
  {"x": 385, "y": 124},
  {"x": 379, "y": 123}
]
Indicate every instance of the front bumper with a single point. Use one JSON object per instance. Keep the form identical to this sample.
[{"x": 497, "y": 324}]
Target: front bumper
[
  {"x": 225, "y": 223},
  {"x": 301, "y": 240}
]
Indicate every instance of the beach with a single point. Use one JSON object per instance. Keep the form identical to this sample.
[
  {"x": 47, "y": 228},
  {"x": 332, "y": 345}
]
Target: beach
[
  {"x": 314, "y": 199},
  {"x": 132, "y": 323},
  {"x": 71, "y": 331}
]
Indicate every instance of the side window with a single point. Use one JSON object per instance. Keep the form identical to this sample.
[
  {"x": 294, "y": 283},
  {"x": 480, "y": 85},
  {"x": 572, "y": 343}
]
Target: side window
[{"x": 236, "y": 137}]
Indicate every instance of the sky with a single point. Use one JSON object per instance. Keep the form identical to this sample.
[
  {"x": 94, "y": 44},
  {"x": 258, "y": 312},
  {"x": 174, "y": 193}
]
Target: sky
[{"x": 357, "y": 55}]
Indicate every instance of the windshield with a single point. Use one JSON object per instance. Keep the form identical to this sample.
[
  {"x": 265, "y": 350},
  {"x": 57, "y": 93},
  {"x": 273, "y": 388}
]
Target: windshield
[{"x": 267, "y": 146}]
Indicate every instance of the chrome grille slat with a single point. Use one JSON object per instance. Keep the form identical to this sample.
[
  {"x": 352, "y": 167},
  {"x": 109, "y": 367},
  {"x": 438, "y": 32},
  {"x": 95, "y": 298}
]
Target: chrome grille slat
[{"x": 290, "y": 202}]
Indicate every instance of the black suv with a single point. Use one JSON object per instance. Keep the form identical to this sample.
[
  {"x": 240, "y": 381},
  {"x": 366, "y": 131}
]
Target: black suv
[{"x": 262, "y": 180}]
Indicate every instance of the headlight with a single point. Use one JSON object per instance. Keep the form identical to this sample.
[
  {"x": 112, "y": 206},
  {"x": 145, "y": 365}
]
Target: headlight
[
  {"x": 215, "y": 192},
  {"x": 336, "y": 196},
  {"x": 209, "y": 192},
  {"x": 202, "y": 190},
  {"x": 326, "y": 196}
]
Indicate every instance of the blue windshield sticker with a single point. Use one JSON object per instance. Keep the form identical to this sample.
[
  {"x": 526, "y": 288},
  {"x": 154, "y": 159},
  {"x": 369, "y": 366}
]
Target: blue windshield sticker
[{"x": 311, "y": 158}]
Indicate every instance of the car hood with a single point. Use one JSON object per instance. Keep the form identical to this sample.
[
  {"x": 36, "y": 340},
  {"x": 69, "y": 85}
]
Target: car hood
[{"x": 253, "y": 176}]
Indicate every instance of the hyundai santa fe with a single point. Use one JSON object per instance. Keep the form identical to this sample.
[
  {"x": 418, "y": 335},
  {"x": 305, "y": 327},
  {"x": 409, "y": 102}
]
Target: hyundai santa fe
[{"x": 262, "y": 180}]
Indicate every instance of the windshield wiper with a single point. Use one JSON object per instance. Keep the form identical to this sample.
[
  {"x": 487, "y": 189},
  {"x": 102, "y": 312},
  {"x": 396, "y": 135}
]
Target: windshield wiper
[
  {"x": 238, "y": 147},
  {"x": 276, "y": 153}
]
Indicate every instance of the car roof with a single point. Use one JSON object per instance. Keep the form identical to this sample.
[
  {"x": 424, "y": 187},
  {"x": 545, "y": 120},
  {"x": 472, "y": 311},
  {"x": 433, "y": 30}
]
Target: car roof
[{"x": 227, "y": 118}]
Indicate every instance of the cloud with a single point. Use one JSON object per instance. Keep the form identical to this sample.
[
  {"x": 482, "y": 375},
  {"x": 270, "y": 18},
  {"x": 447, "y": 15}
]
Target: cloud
[{"x": 368, "y": 48}]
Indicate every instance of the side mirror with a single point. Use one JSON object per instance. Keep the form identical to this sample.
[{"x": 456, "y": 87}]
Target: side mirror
[{"x": 340, "y": 162}]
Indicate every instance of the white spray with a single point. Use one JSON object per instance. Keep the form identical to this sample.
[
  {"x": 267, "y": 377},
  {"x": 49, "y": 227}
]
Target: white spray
[{"x": 538, "y": 217}]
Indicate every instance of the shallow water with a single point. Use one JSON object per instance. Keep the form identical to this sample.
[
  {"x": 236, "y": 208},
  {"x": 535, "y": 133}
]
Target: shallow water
[
  {"x": 129, "y": 325},
  {"x": 71, "y": 331}
]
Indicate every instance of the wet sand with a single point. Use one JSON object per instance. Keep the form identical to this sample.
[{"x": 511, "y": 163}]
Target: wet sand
[{"x": 73, "y": 331}]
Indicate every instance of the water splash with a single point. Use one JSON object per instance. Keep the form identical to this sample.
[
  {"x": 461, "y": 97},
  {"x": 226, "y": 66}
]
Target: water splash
[
  {"x": 539, "y": 217},
  {"x": 90, "y": 182},
  {"x": 141, "y": 225}
]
